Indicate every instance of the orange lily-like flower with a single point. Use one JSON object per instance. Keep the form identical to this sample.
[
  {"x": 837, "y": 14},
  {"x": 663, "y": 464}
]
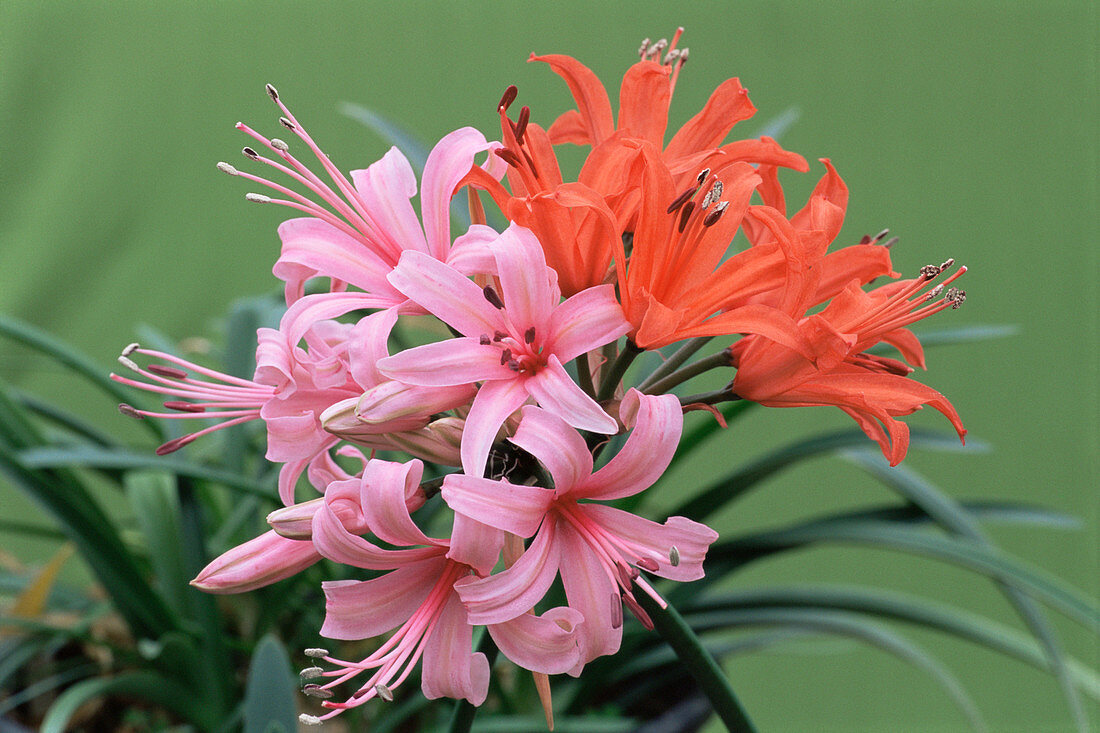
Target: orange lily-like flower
[{"x": 873, "y": 390}]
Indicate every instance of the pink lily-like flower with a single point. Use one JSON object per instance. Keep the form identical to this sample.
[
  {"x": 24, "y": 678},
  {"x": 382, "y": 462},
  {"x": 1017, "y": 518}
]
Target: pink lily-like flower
[
  {"x": 598, "y": 550},
  {"x": 261, "y": 561},
  {"x": 417, "y": 598},
  {"x": 514, "y": 343},
  {"x": 356, "y": 235}
]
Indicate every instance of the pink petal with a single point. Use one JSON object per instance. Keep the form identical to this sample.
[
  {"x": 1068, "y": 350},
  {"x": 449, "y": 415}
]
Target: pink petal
[
  {"x": 529, "y": 288},
  {"x": 545, "y": 643},
  {"x": 657, "y": 422},
  {"x": 557, "y": 446},
  {"x": 591, "y": 592},
  {"x": 301, "y": 316},
  {"x": 385, "y": 189},
  {"x": 357, "y": 609},
  {"x": 691, "y": 539},
  {"x": 367, "y": 344},
  {"x": 448, "y": 163},
  {"x": 385, "y": 491},
  {"x": 470, "y": 253},
  {"x": 447, "y": 294},
  {"x": 515, "y": 591},
  {"x": 337, "y": 544},
  {"x": 511, "y": 507},
  {"x": 556, "y": 392},
  {"x": 447, "y": 363},
  {"x": 492, "y": 405},
  {"x": 586, "y": 321},
  {"x": 475, "y": 544},
  {"x": 450, "y": 667},
  {"x": 312, "y": 248}
]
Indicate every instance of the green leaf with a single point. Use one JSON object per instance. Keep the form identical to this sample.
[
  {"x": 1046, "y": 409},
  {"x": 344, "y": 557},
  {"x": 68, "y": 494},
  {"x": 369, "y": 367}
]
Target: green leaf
[
  {"x": 148, "y": 686},
  {"x": 126, "y": 459},
  {"x": 987, "y": 561},
  {"x": 518, "y": 724},
  {"x": 69, "y": 422},
  {"x": 152, "y": 496},
  {"x": 959, "y": 335},
  {"x": 271, "y": 689},
  {"x": 47, "y": 684}
]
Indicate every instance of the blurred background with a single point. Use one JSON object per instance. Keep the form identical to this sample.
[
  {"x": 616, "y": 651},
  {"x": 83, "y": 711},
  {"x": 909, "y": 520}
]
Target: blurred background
[{"x": 968, "y": 129}]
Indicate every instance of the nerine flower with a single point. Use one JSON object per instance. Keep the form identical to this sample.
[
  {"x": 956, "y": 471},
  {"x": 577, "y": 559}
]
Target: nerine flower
[
  {"x": 416, "y": 599},
  {"x": 597, "y": 550},
  {"x": 514, "y": 342}
]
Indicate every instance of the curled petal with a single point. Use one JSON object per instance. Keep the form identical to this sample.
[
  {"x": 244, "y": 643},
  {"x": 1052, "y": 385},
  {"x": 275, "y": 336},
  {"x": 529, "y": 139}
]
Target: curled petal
[
  {"x": 448, "y": 163},
  {"x": 557, "y": 446},
  {"x": 451, "y": 668},
  {"x": 586, "y": 321},
  {"x": 357, "y": 609},
  {"x": 385, "y": 492},
  {"x": 514, "y": 508},
  {"x": 492, "y": 405},
  {"x": 691, "y": 539},
  {"x": 515, "y": 591},
  {"x": 545, "y": 643},
  {"x": 446, "y": 294}
]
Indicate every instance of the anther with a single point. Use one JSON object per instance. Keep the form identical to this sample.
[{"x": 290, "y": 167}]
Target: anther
[
  {"x": 643, "y": 50},
  {"x": 950, "y": 261},
  {"x": 287, "y": 124},
  {"x": 955, "y": 297},
  {"x": 128, "y": 363},
  {"x": 305, "y": 719},
  {"x": 890, "y": 242},
  {"x": 683, "y": 56},
  {"x": 880, "y": 235},
  {"x": 129, "y": 411},
  {"x": 310, "y": 673},
  {"x": 492, "y": 297},
  {"x": 521, "y": 123},
  {"x": 384, "y": 692},
  {"x": 703, "y": 174},
  {"x": 626, "y": 575},
  {"x": 507, "y": 156},
  {"x": 685, "y": 214},
  {"x": 250, "y": 153},
  {"x": 514, "y": 366},
  {"x": 499, "y": 336},
  {"x": 485, "y": 340},
  {"x": 257, "y": 198},
  {"x": 712, "y": 218},
  {"x": 929, "y": 271},
  {"x": 131, "y": 348},
  {"x": 674, "y": 556},
  {"x": 184, "y": 406},
  {"x": 279, "y": 145},
  {"x": 507, "y": 98},
  {"x": 505, "y": 356},
  {"x": 658, "y": 48},
  {"x": 934, "y": 293},
  {"x": 315, "y": 652},
  {"x": 649, "y": 564},
  {"x": 636, "y": 609},
  {"x": 681, "y": 199},
  {"x": 671, "y": 57},
  {"x": 616, "y": 611},
  {"x": 317, "y": 691},
  {"x": 529, "y": 335},
  {"x": 228, "y": 169},
  {"x": 173, "y": 445},
  {"x": 167, "y": 371},
  {"x": 271, "y": 92}
]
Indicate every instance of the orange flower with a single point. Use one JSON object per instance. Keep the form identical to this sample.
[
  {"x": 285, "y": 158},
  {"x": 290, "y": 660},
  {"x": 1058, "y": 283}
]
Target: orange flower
[{"x": 873, "y": 390}]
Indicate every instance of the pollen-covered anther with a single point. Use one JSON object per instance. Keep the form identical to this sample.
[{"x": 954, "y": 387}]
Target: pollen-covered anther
[
  {"x": 257, "y": 198},
  {"x": 317, "y": 691},
  {"x": 930, "y": 271},
  {"x": 129, "y": 411},
  {"x": 384, "y": 692},
  {"x": 271, "y": 92},
  {"x": 702, "y": 177},
  {"x": 891, "y": 242},
  {"x": 934, "y": 293},
  {"x": 288, "y": 124},
  {"x": 279, "y": 145},
  {"x": 658, "y": 48},
  {"x": 306, "y": 719},
  {"x": 529, "y": 335},
  {"x": 485, "y": 340},
  {"x": 505, "y": 357},
  {"x": 674, "y": 556},
  {"x": 310, "y": 673},
  {"x": 683, "y": 57},
  {"x": 493, "y": 298},
  {"x": 250, "y": 153},
  {"x": 131, "y": 348},
  {"x": 499, "y": 336},
  {"x": 950, "y": 261},
  {"x": 643, "y": 50},
  {"x": 315, "y": 652},
  {"x": 712, "y": 218},
  {"x": 228, "y": 169},
  {"x": 880, "y": 235},
  {"x": 128, "y": 363},
  {"x": 955, "y": 297}
]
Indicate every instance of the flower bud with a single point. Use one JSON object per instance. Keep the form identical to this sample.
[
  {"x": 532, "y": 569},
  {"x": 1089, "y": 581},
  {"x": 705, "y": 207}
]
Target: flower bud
[
  {"x": 438, "y": 442},
  {"x": 258, "y": 562},
  {"x": 295, "y": 522}
]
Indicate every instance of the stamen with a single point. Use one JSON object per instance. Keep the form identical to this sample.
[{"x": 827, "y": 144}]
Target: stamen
[
  {"x": 228, "y": 169},
  {"x": 643, "y": 50},
  {"x": 257, "y": 198},
  {"x": 685, "y": 214},
  {"x": 934, "y": 292},
  {"x": 129, "y": 411},
  {"x": 529, "y": 335},
  {"x": 507, "y": 156},
  {"x": 507, "y": 98},
  {"x": 702, "y": 177},
  {"x": 184, "y": 406},
  {"x": 616, "y": 611},
  {"x": 316, "y": 652},
  {"x": 305, "y": 719},
  {"x": 287, "y": 124},
  {"x": 681, "y": 199},
  {"x": 674, "y": 556},
  {"x": 310, "y": 673},
  {"x": 890, "y": 242},
  {"x": 279, "y": 145},
  {"x": 384, "y": 692},
  {"x": 129, "y": 363},
  {"x": 505, "y": 356},
  {"x": 521, "y": 123},
  {"x": 271, "y": 92},
  {"x": 131, "y": 348},
  {"x": 249, "y": 152},
  {"x": 174, "y": 445},
  {"x": 485, "y": 340},
  {"x": 492, "y": 297},
  {"x": 712, "y": 218},
  {"x": 167, "y": 371},
  {"x": 639, "y": 613},
  {"x": 930, "y": 271},
  {"x": 649, "y": 564},
  {"x": 880, "y": 235},
  {"x": 955, "y": 297},
  {"x": 950, "y": 261},
  {"x": 499, "y": 336},
  {"x": 318, "y": 692}
]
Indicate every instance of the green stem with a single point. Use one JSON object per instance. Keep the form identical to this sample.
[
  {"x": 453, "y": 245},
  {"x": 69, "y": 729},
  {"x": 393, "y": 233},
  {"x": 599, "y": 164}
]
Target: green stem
[
  {"x": 699, "y": 663},
  {"x": 584, "y": 375},
  {"x": 714, "y": 361},
  {"x": 618, "y": 369},
  {"x": 675, "y": 361},
  {"x": 464, "y": 713},
  {"x": 710, "y": 398}
]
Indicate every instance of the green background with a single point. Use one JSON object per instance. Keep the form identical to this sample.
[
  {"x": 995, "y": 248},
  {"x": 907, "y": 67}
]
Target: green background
[{"x": 967, "y": 128}]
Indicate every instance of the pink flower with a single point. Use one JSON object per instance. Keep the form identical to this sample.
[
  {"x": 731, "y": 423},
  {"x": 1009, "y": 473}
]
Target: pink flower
[
  {"x": 260, "y": 561},
  {"x": 514, "y": 343},
  {"x": 417, "y": 598},
  {"x": 598, "y": 550},
  {"x": 356, "y": 235}
]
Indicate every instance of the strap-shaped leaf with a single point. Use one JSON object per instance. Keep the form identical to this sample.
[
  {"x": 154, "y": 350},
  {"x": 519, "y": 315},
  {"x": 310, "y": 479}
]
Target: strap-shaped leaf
[
  {"x": 271, "y": 690},
  {"x": 149, "y": 686}
]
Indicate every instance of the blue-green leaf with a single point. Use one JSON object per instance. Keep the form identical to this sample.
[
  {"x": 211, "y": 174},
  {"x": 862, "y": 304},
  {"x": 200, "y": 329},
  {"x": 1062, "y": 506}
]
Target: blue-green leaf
[{"x": 271, "y": 690}]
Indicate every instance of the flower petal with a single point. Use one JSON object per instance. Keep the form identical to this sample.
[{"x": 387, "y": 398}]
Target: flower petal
[
  {"x": 643, "y": 101},
  {"x": 492, "y": 405},
  {"x": 556, "y": 392},
  {"x": 448, "y": 163},
  {"x": 545, "y": 643},
  {"x": 557, "y": 446},
  {"x": 384, "y": 492},
  {"x": 450, "y": 666},
  {"x": 586, "y": 321},
  {"x": 385, "y": 188},
  {"x": 589, "y": 94},
  {"x": 515, "y": 591},
  {"x": 447, "y": 294},
  {"x": 475, "y": 544},
  {"x": 529, "y": 287},
  {"x": 691, "y": 539},
  {"x": 337, "y": 544},
  {"x": 513, "y": 508},
  {"x": 356, "y": 609},
  {"x": 313, "y": 248},
  {"x": 728, "y": 105},
  {"x": 447, "y": 363},
  {"x": 591, "y": 592}
]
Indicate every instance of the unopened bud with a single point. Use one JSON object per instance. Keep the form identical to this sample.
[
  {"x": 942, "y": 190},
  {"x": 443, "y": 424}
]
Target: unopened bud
[{"x": 295, "y": 522}]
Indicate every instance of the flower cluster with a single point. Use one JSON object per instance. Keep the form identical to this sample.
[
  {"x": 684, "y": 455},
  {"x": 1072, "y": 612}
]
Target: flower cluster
[{"x": 514, "y": 411}]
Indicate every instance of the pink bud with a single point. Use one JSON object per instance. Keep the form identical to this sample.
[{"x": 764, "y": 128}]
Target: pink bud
[{"x": 258, "y": 562}]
